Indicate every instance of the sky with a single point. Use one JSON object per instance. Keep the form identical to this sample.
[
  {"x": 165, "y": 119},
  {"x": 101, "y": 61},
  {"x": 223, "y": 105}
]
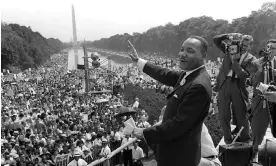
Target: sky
[{"x": 96, "y": 19}]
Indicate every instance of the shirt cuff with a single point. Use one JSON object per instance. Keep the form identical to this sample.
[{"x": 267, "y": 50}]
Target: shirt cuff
[{"x": 141, "y": 63}]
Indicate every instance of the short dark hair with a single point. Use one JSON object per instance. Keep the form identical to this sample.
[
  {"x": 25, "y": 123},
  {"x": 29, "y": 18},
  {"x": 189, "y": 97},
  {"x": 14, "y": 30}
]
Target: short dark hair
[
  {"x": 204, "y": 43},
  {"x": 271, "y": 41},
  {"x": 248, "y": 38}
]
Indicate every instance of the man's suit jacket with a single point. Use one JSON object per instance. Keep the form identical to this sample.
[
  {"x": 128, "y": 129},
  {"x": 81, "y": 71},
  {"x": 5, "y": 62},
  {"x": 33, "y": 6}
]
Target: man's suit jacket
[
  {"x": 178, "y": 137},
  {"x": 256, "y": 78},
  {"x": 243, "y": 71},
  {"x": 257, "y": 101}
]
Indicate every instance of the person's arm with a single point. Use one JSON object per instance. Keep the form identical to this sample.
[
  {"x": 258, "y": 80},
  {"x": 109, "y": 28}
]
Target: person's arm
[
  {"x": 141, "y": 153},
  {"x": 241, "y": 73},
  {"x": 257, "y": 73},
  {"x": 218, "y": 40},
  {"x": 188, "y": 114},
  {"x": 165, "y": 76}
]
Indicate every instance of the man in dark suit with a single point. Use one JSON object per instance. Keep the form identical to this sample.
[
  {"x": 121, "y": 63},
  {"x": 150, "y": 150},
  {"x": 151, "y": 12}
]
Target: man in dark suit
[
  {"x": 261, "y": 116},
  {"x": 231, "y": 85},
  {"x": 179, "y": 136}
]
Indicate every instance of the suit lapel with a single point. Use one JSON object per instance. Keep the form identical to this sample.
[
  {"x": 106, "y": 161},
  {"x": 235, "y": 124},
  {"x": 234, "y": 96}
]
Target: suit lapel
[
  {"x": 226, "y": 65},
  {"x": 177, "y": 86},
  {"x": 243, "y": 58},
  {"x": 195, "y": 74},
  {"x": 188, "y": 79}
]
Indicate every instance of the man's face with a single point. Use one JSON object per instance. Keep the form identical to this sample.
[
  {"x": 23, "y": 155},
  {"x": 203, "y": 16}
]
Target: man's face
[
  {"x": 272, "y": 49},
  {"x": 13, "y": 118},
  {"x": 246, "y": 46},
  {"x": 190, "y": 55},
  {"x": 135, "y": 145}
]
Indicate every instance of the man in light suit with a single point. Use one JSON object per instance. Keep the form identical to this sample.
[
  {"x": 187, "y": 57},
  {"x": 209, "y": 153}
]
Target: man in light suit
[
  {"x": 231, "y": 85},
  {"x": 178, "y": 137}
]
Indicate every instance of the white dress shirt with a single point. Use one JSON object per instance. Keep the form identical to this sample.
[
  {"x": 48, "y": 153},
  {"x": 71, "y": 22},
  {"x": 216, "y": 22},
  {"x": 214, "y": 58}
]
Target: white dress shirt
[
  {"x": 207, "y": 145},
  {"x": 118, "y": 136},
  {"x": 273, "y": 67},
  {"x": 105, "y": 151},
  {"x": 137, "y": 153},
  {"x": 80, "y": 162},
  {"x": 144, "y": 124},
  {"x": 136, "y": 104},
  {"x": 97, "y": 142},
  {"x": 182, "y": 82},
  {"x": 124, "y": 141}
]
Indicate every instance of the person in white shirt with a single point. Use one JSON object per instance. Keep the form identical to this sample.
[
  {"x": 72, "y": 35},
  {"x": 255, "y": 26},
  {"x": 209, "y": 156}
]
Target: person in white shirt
[
  {"x": 209, "y": 154},
  {"x": 127, "y": 152},
  {"x": 137, "y": 155},
  {"x": 87, "y": 156},
  {"x": 105, "y": 151},
  {"x": 144, "y": 123},
  {"x": 77, "y": 159},
  {"x": 136, "y": 103},
  {"x": 97, "y": 141},
  {"x": 117, "y": 136}
]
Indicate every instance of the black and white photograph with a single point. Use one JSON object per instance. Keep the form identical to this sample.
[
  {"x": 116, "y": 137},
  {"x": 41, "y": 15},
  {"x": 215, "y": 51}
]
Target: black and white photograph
[{"x": 138, "y": 83}]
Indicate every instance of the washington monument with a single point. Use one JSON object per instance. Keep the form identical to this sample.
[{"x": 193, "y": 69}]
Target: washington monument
[{"x": 75, "y": 40}]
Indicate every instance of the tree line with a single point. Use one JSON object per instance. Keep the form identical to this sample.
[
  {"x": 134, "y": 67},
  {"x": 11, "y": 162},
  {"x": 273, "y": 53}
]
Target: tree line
[
  {"x": 22, "y": 48},
  {"x": 167, "y": 40}
]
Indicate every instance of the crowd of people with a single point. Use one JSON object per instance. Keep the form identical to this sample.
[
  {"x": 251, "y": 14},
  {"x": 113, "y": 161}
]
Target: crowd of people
[{"x": 47, "y": 119}]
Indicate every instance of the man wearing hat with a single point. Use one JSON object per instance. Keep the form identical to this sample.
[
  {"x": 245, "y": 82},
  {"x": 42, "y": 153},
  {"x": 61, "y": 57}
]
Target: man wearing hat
[
  {"x": 137, "y": 154},
  {"x": 105, "y": 151},
  {"x": 87, "y": 155},
  {"x": 77, "y": 159},
  {"x": 127, "y": 152}
]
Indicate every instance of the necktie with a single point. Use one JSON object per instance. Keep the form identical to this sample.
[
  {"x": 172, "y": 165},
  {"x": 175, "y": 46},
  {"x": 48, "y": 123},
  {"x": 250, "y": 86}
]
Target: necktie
[
  {"x": 270, "y": 72},
  {"x": 182, "y": 82},
  {"x": 233, "y": 73},
  {"x": 127, "y": 146}
]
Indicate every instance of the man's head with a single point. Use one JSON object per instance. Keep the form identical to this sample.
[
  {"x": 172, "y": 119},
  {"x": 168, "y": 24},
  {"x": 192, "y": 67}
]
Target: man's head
[
  {"x": 246, "y": 43},
  {"x": 13, "y": 117},
  {"x": 77, "y": 154},
  {"x": 271, "y": 47},
  {"x": 193, "y": 53},
  {"x": 104, "y": 142},
  {"x": 135, "y": 144}
]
